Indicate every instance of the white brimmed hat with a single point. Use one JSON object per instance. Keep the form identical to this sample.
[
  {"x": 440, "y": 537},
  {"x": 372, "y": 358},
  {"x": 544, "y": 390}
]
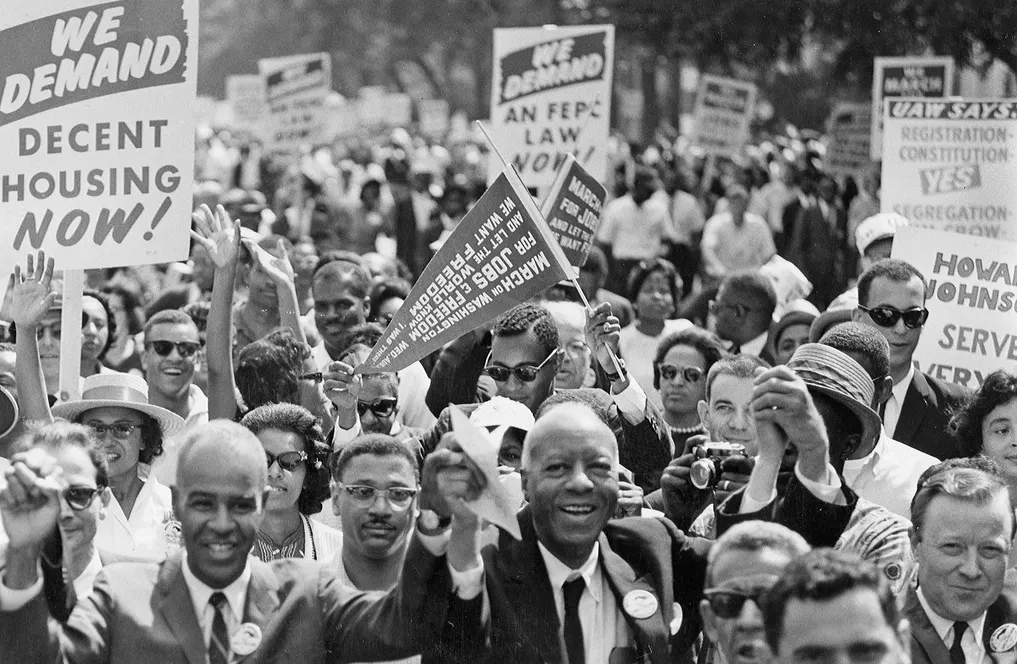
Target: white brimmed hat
[
  {"x": 119, "y": 390},
  {"x": 878, "y": 227}
]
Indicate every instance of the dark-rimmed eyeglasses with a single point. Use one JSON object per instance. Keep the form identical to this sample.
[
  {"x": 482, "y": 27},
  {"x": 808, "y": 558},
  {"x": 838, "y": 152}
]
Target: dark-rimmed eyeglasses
[
  {"x": 527, "y": 373},
  {"x": 186, "y": 349},
  {"x": 80, "y": 497},
  {"x": 887, "y": 316},
  {"x": 383, "y": 407},
  {"x": 688, "y": 374},
  {"x": 727, "y": 603},
  {"x": 120, "y": 430},
  {"x": 54, "y": 328},
  {"x": 740, "y": 310},
  {"x": 286, "y": 460},
  {"x": 399, "y": 497}
]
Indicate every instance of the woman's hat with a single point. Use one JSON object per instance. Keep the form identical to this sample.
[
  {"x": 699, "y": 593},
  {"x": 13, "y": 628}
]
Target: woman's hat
[{"x": 119, "y": 390}]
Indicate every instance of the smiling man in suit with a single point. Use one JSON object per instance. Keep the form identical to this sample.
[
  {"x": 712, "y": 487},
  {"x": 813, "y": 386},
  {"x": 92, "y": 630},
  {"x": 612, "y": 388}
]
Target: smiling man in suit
[
  {"x": 212, "y": 602},
  {"x": 962, "y": 531}
]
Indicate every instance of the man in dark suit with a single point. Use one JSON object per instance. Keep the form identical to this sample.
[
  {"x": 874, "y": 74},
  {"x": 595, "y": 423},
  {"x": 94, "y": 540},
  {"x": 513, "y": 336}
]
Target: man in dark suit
[
  {"x": 214, "y": 603},
  {"x": 891, "y": 298},
  {"x": 963, "y": 527},
  {"x": 818, "y": 243}
]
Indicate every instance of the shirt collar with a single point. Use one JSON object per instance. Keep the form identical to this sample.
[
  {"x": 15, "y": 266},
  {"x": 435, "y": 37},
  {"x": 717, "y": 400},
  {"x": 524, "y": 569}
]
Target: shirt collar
[
  {"x": 558, "y": 572},
  {"x": 943, "y": 626},
  {"x": 755, "y": 346},
  {"x": 236, "y": 592},
  {"x": 900, "y": 389}
]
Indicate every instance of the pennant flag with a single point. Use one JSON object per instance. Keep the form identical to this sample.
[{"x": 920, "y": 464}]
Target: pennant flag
[
  {"x": 572, "y": 210},
  {"x": 500, "y": 255}
]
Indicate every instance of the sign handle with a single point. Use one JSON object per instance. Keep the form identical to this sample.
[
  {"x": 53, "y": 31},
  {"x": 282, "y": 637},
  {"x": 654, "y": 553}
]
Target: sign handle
[{"x": 70, "y": 335}]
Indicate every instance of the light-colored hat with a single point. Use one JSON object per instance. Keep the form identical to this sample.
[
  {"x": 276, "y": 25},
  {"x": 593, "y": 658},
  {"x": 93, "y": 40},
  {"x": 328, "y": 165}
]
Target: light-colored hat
[
  {"x": 828, "y": 371},
  {"x": 119, "y": 390},
  {"x": 502, "y": 412},
  {"x": 877, "y": 227}
]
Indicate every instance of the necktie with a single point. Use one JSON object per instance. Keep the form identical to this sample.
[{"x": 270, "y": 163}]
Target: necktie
[
  {"x": 956, "y": 652},
  {"x": 219, "y": 644},
  {"x": 574, "y": 647}
]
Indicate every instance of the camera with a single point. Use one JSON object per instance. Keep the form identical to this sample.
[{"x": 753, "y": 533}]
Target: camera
[{"x": 705, "y": 469}]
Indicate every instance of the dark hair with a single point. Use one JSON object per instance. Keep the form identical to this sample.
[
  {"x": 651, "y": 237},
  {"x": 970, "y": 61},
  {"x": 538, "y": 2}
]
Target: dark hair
[
  {"x": 385, "y": 290},
  {"x": 268, "y": 369},
  {"x": 893, "y": 269},
  {"x": 968, "y": 482},
  {"x": 521, "y": 319},
  {"x": 151, "y": 434},
  {"x": 198, "y": 311},
  {"x": 60, "y": 434},
  {"x": 596, "y": 262},
  {"x": 375, "y": 444},
  {"x": 640, "y": 273},
  {"x": 596, "y": 400},
  {"x": 130, "y": 296},
  {"x": 823, "y": 575},
  {"x": 863, "y": 340},
  {"x": 7, "y": 347},
  {"x": 757, "y": 286},
  {"x": 295, "y": 419},
  {"x": 367, "y": 334},
  {"x": 998, "y": 389},
  {"x": 706, "y": 344},
  {"x": 739, "y": 366},
  {"x": 111, "y": 323},
  {"x": 344, "y": 262},
  {"x": 168, "y": 317}
]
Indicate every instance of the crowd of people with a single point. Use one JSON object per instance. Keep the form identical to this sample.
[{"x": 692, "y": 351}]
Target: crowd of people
[{"x": 703, "y": 468}]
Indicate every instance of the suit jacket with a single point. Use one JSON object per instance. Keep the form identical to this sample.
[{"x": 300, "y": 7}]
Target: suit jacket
[
  {"x": 143, "y": 612},
  {"x": 928, "y": 648},
  {"x": 925, "y": 414}
]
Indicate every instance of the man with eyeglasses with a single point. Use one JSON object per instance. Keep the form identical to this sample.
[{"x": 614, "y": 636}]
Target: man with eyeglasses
[
  {"x": 576, "y": 355},
  {"x": 891, "y": 298},
  {"x": 743, "y": 311},
  {"x": 170, "y": 358}
]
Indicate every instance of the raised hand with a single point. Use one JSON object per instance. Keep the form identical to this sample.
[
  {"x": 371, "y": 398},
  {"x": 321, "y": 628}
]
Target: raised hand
[
  {"x": 279, "y": 269},
  {"x": 31, "y": 294},
  {"x": 449, "y": 480},
  {"x": 341, "y": 385},
  {"x": 30, "y": 499},
  {"x": 602, "y": 332},
  {"x": 217, "y": 234}
]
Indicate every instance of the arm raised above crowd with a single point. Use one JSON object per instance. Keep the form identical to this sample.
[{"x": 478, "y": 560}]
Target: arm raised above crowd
[{"x": 31, "y": 297}]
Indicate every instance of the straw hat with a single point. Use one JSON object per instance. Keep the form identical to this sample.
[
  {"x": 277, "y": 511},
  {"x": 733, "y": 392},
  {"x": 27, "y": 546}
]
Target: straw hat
[{"x": 119, "y": 390}]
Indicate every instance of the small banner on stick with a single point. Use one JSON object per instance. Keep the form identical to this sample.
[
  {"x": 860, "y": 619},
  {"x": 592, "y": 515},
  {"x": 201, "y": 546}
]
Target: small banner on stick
[{"x": 572, "y": 210}]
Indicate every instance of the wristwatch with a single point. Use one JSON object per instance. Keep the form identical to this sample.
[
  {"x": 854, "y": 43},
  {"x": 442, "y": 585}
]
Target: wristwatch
[{"x": 615, "y": 377}]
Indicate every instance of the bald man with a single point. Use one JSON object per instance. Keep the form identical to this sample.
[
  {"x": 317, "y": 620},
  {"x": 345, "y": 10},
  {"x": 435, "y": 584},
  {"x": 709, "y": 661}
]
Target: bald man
[{"x": 213, "y": 602}]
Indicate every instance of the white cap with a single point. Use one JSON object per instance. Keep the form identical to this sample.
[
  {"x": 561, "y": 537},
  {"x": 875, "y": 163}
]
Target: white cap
[
  {"x": 877, "y": 227},
  {"x": 499, "y": 412}
]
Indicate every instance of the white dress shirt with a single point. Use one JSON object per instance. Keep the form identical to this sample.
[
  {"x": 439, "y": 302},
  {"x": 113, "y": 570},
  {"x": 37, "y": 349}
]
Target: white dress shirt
[
  {"x": 971, "y": 642},
  {"x": 236, "y": 597},
  {"x": 149, "y": 534},
  {"x": 889, "y": 475},
  {"x": 604, "y": 628},
  {"x": 891, "y": 413}
]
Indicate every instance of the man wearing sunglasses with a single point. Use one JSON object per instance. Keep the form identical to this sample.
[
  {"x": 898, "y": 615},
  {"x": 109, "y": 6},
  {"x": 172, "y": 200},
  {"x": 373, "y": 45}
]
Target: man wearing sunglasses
[
  {"x": 170, "y": 358},
  {"x": 891, "y": 298}
]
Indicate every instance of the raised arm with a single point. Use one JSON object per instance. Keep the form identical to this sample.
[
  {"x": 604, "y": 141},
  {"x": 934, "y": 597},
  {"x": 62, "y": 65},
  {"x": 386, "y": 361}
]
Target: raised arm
[{"x": 31, "y": 298}]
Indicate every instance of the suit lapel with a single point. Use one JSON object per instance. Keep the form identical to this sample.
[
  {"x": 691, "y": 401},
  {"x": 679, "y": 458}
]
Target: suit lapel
[
  {"x": 651, "y": 633},
  {"x": 529, "y": 591},
  {"x": 262, "y": 595},
  {"x": 923, "y": 634},
  {"x": 174, "y": 602},
  {"x": 912, "y": 411}
]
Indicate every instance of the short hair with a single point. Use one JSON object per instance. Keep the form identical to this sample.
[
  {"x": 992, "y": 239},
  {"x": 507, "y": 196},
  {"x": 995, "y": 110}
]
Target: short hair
[
  {"x": 998, "y": 389},
  {"x": 739, "y": 366},
  {"x": 375, "y": 444},
  {"x": 198, "y": 311},
  {"x": 268, "y": 369},
  {"x": 864, "y": 340},
  {"x": 522, "y": 318},
  {"x": 754, "y": 536},
  {"x": 227, "y": 435},
  {"x": 641, "y": 272},
  {"x": 822, "y": 575},
  {"x": 8, "y": 347},
  {"x": 368, "y": 334},
  {"x": 111, "y": 322},
  {"x": 893, "y": 269},
  {"x": 151, "y": 434},
  {"x": 595, "y": 400},
  {"x": 331, "y": 267},
  {"x": 169, "y": 317},
  {"x": 568, "y": 310},
  {"x": 385, "y": 290},
  {"x": 596, "y": 262},
  {"x": 756, "y": 285},
  {"x": 577, "y": 405},
  {"x": 961, "y": 482},
  {"x": 706, "y": 344},
  {"x": 295, "y": 419},
  {"x": 61, "y": 434}
]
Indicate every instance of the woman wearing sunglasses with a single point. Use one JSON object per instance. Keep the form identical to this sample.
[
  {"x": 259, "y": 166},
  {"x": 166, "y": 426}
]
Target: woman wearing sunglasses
[
  {"x": 679, "y": 374},
  {"x": 298, "y": 479}
]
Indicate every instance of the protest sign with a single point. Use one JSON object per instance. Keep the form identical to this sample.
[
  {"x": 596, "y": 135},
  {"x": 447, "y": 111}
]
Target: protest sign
[
  {"x": 384, "y": 109},
  {"x": 848, "y": 132},
  {"x": 947, "y": 165},
  {"x": 919, "y": 76},
  {"x": 972, "y": 303},
  {"x": 295, "y": 89},
  {"x": 246, "y": 95},
  {"x": 433, "y": 115},
  {"x": 551, "y": 96},
  {"x": 499, "y": 255},
  {"x": 723, "y": 114},
  {"x": 97, "y": 130},
  {"x": 572, "y": 210}
]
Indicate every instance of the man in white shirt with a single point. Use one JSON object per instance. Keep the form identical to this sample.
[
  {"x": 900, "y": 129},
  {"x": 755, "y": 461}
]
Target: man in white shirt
[
  {"x": 743, "y": 311},
  {"x": 735, "y": 240}
]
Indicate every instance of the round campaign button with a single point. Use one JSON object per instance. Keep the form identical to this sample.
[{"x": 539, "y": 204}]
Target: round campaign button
[
  {"x": 639, "y": 604},
  {"x": 246, "y": 639},
  {"x": 1004, "y": 638}
]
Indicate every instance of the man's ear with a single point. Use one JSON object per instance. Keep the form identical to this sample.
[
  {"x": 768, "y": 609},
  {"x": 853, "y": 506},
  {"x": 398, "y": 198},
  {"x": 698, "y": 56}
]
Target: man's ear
[
  {"x": 523, "y": 484},
  {"x": 915, "y": 541},
  {"x": 335, "y": 503},
  {"x": 107, "y": 494},
  {"x": 367, "y": 306},
  {"x": 883, "y": 389},
  {"x": 704, "y": 415},
  {"x": 709, "y": 620},
  {"x": 856, "y": 315}
]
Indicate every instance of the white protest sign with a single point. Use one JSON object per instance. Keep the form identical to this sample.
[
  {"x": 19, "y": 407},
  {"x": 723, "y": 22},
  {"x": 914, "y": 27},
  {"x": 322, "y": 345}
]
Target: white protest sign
[
  {"x": 972, "y": 302},
  {"x": 551, "y": 96},
  {"x": 295, "y": 88},
  {"x": 848, "y": 132},
  {"x": 247, "y": 96},
  {"x": 433, "y": 114},
  {"x": 918, "y": 76},
  {"x": 952, "y": 165},
  {"x": 97, "y": 130},
  {"x": 723, "y": 114}
]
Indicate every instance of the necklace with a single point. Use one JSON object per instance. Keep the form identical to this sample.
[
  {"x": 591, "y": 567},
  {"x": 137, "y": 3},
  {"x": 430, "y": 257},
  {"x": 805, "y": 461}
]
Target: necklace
[
  {"x": 685, "y": 431},
  {"x": 292, "y": 546}
]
